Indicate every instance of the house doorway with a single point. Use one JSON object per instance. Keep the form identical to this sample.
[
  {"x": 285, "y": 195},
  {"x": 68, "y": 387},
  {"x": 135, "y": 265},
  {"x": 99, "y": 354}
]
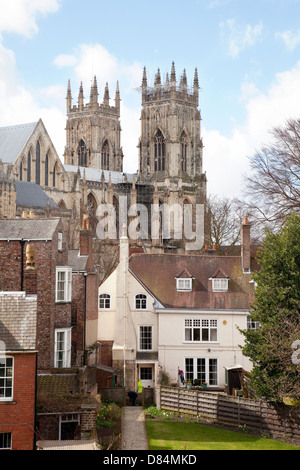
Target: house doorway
[
  {"x": 146, "y": 375},
  {"x": 68, "y": 426}
]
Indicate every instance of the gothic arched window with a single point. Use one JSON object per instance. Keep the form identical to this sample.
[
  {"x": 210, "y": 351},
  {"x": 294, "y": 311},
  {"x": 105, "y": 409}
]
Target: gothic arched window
[
  {"x": 29, "y": 167},
  {"x": 82, "y": 154},
  {"x": 159, "y": 152},
  {"x": 183, "y": 147},
  {"x": 54, "y": 176},
  {"x": 105, "y": 156},
  {"x": 21, "y": 171},
  {"x": 38, "y": 164},
  {"x": 46, "y": 170}
]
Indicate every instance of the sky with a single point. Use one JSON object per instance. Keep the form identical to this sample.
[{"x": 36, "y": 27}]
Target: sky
[{"x": 247, "y": 53}]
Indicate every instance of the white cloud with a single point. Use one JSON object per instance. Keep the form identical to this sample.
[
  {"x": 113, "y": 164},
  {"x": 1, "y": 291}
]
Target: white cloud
[
  {"x": 290, "y": 39},
  {"x": 91, "y": 60},
  {"x": 65, "y": 60},
  {"x": 239, "y": 37},
  {"x": 19, "y": 16},
  {"x": 226, "y": 158}
]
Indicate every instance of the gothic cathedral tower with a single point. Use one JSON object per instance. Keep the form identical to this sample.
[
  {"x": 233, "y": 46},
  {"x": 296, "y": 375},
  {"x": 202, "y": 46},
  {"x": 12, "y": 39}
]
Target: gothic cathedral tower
[
  {"x": 170, "y": 141},
  {"x": 93, "y": 131},
  {"x": 170, "y": 146}
]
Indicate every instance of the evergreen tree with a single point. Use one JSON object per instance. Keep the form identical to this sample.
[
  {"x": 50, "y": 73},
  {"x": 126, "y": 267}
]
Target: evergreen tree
[{"x": 277, "y": 310}]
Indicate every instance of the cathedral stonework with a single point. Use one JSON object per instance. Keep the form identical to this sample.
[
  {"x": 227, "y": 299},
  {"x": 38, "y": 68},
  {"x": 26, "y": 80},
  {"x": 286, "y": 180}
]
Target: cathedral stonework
[
  {"x": 170, "y": 168},
  {"x": 94, "y": 131}
]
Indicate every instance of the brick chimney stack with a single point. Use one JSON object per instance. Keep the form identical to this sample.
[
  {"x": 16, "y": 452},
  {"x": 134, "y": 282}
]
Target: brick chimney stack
[
  {"x": 86, "y": 246},
  {"x": 245, "y": 245}
]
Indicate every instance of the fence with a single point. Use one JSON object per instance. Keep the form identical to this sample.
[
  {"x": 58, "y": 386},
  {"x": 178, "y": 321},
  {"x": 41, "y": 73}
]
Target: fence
[{"x": 276, "y": 420}]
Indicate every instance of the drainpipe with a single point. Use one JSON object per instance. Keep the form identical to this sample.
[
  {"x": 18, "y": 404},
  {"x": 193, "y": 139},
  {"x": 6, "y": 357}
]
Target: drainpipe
[
  {"x": 22, "y": 243},
  {"x": 84, "y": 321}
]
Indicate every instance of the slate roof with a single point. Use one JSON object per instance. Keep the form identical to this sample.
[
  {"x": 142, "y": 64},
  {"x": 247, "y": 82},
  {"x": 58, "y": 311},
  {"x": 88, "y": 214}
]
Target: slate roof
[
  {"x": 77, "y": 262},
  {"x": 58, "y": 384},
  {"x": 32, "y": 195},
  {"x": 17, "y": 321},
  {"x": 93, "y": 174},
  {"x": 27, "y": 229},
  {"x": 13, "y": 139},
  {"x": 158, "y": 273}
]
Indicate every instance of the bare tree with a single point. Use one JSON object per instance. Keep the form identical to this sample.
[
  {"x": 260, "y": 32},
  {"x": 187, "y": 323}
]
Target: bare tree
[
  {"x": 273, "y": 187},
  {"x": 225, "y": 220}
]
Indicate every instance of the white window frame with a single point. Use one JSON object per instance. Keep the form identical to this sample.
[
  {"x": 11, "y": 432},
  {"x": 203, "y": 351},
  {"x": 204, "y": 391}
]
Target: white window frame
[
  {"x": 201, "y": 328},
  {"x": 220, "y": 284},
  {"x": 7, "y": 440},
  {"x": 251, "y": 324},
  {"x": 207, "y": 362},
  {"x": 63, "y": 295},
  {"x": 184, "y": 284},
  {"x": 7, "y": 378},
  {"x": 145, "y": 339},
  {"x": 140, "y": 302},
  {"x": 106, "y": 298},
  {"x": 59, "y": 241},
  {"x": 62, "y": 356}
]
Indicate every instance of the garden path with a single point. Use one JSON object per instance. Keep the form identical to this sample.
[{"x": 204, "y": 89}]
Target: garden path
[{"x": 134, "y": 436}]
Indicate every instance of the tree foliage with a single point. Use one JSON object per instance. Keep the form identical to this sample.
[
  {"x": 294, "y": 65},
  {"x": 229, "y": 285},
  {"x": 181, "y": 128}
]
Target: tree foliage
[
  {"x": 225, "y": 221},
  {"x": 273, "y": 185},
  {"x": 277, "y": 309}
]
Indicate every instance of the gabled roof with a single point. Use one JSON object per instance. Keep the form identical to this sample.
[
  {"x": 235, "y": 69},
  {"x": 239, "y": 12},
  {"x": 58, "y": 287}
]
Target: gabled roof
[
  {"x": 27, "y": 229},
  {"x": 220, "y": 274},
  {"x": 158, "y": 272},
  {"x": 13, "y": 139},
  {"x": 185, "y": 274}
]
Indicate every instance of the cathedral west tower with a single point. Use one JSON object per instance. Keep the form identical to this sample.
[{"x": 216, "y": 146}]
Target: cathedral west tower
[{"x": 93, "y": 131}]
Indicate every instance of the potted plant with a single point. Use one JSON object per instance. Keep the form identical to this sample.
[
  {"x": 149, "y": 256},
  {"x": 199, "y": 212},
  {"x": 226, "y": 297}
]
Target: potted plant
[
  {"x": 203, "y": 385},
  {"x": 189, "y": 385}
]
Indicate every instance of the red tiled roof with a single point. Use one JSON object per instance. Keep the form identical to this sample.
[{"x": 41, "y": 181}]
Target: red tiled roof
[{"x": 158, "y": 272}]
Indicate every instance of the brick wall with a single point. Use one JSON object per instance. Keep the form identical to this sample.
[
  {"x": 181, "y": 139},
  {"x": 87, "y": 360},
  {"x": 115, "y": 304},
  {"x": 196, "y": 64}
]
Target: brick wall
[
  {"x": 49, "y": 314},
  {"x": 17, "y": 417}
]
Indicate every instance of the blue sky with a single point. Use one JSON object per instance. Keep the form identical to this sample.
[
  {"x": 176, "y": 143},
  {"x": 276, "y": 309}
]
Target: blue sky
[{"x": 247, "y": 54}]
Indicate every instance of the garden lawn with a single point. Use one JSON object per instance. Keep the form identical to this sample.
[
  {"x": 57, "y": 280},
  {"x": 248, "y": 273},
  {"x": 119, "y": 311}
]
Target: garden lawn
[{"x": 172, "y": 435}]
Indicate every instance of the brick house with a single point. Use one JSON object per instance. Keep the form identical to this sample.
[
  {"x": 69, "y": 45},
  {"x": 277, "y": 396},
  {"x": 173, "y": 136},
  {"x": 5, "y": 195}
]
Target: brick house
[
  {"x": 18, "y": 356},
  {"x": 35, "y": 259}
]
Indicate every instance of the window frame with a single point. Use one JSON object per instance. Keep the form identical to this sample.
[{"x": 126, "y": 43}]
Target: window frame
[
  {"x": 6, "y": 377},
  {"x": 5, "y": 437},
  {"x": 67, "y": 290},
  {"x": 140, "y": 302},
  {"x": 210, "y": 372},
  {"x": 187, "y": 284},
  {"x": 106, "y": 298},
  {"x": 220, "y": 281},
  {"x": 59, "y": 241},
  {"x": 143, "y": 338},
  {"x": 66, "y": 351},
  {"x": 205, "y": 326}
]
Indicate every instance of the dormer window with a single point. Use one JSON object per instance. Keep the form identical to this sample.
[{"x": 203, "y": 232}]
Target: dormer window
[
  {"x": 220, "y": 285},
  {"x": 184, "y": 281},
  {"x": 184, "y": 284},
  {"x": 220, "y": 281}
]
